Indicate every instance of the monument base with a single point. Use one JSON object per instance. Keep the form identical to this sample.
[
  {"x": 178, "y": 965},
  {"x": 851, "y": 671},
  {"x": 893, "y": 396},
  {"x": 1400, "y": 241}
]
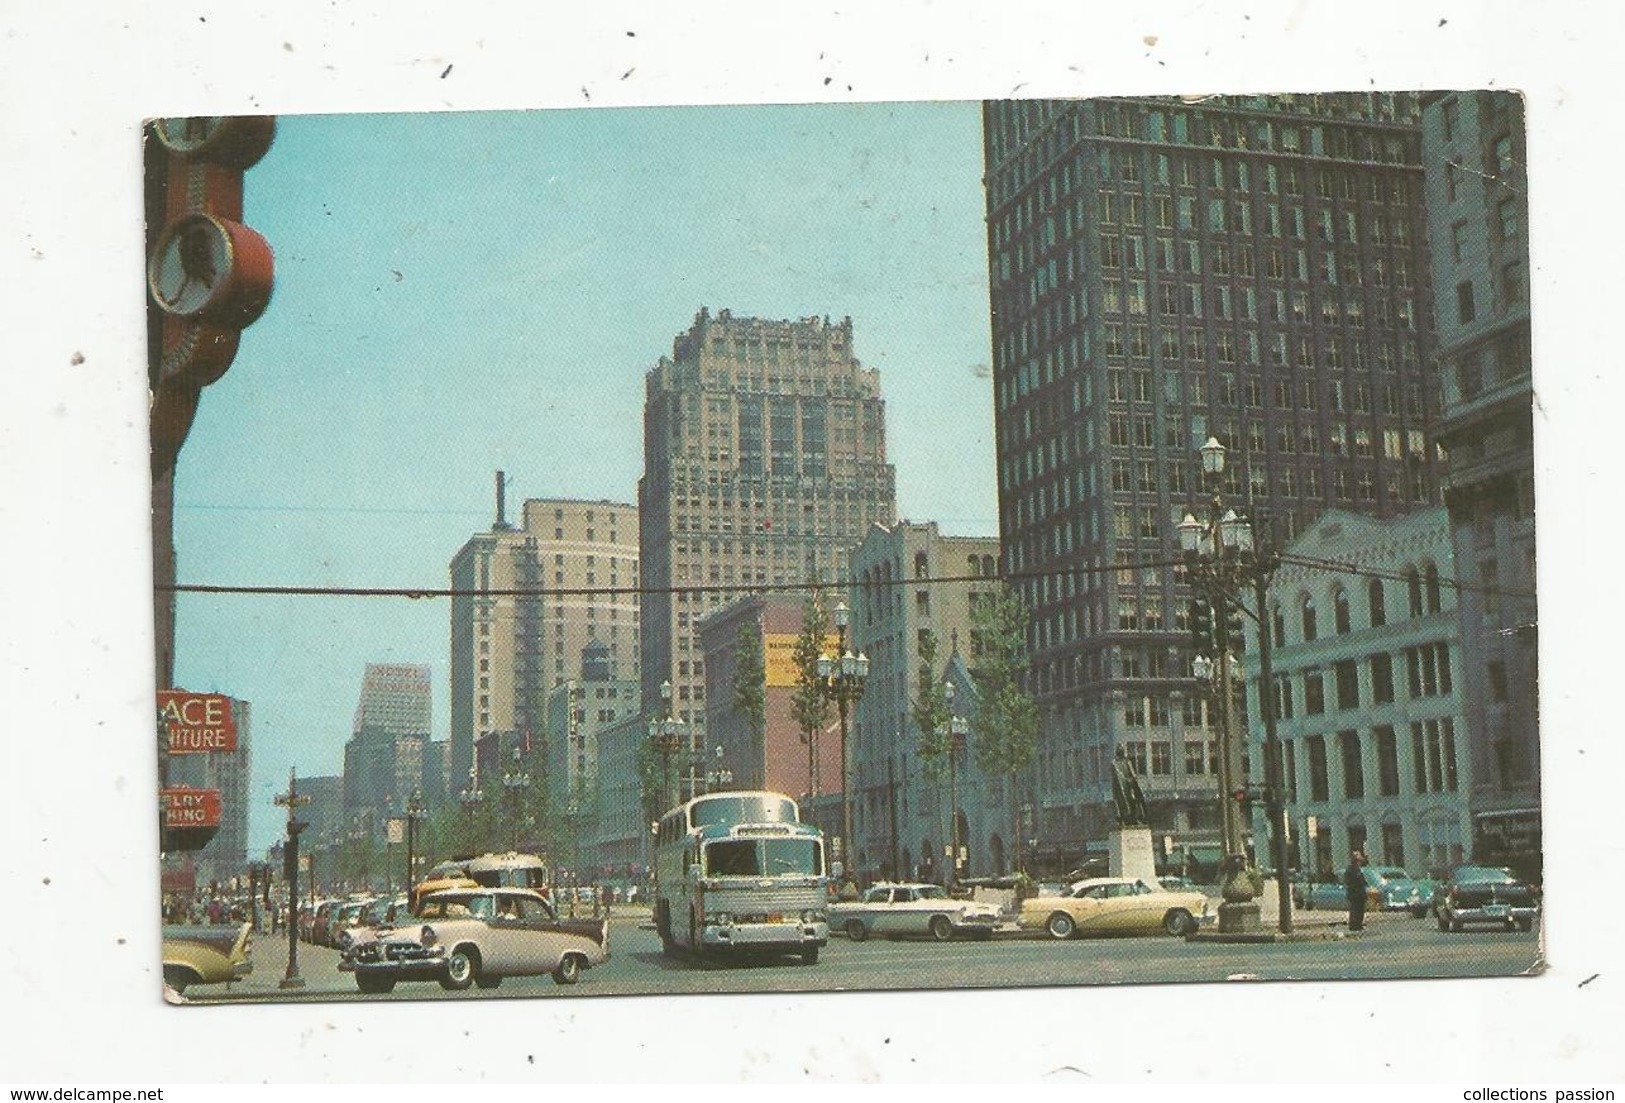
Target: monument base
[
  {"x": 1129, "y": 854},
  {"x": 1237, "y": 918}
]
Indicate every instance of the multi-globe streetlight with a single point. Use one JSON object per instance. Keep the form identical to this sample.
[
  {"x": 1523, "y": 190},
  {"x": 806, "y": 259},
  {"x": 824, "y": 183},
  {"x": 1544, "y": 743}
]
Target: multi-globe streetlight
[
  {"x": 841, "y": 678},
  {"x": 958, "y": 729},
  {"x": 666, "y": 734},
  {"x": 516, "y": 782},
  {"x": 1222, "y": 559}
]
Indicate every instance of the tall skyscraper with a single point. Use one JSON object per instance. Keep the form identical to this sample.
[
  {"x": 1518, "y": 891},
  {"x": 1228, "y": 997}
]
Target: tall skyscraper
[
  {"x": 383, "y": 761},
  {"x": 764, "y": 462},
  {"x": 1473, "y": 148},
  {"x": 527, "y": 601},
  {"x": 1249, "y": 268}
]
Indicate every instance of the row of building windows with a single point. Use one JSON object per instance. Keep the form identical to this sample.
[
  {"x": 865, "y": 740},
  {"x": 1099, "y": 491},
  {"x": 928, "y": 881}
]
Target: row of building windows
[{"x": 1433, "y": 763}]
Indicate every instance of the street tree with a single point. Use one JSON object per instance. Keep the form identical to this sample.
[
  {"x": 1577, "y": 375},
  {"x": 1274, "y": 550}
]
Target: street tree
[
  {"x": 1007, "y": 719},
  {"x": 810, "y": 706},
  {"x": 930, "y": 714},
  {"x": 750, "y": 685}
]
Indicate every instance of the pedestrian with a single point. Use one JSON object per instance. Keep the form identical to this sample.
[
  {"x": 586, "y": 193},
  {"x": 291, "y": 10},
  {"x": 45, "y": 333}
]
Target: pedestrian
[{"x": 1354, "y": 889}]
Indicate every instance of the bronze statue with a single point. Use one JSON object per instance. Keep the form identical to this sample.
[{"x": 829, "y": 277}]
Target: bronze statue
[{"x": 1126, "y": 793}]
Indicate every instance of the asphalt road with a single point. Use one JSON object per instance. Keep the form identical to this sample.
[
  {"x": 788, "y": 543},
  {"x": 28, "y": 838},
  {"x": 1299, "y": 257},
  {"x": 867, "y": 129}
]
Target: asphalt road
[{"x": 1391, "y": 946}]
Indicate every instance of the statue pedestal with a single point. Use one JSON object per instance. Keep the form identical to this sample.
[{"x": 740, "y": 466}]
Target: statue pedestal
[
  {"x": 1238, "y": 917},
  {"x": 1129, "y": 854}
]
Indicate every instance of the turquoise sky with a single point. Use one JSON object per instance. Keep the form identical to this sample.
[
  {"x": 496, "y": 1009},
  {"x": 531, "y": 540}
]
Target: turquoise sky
[{"x": 459, "y": 293}]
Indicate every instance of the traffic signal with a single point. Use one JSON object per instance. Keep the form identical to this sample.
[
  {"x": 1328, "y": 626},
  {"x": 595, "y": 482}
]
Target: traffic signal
[
  {"x": 1201, "y": 626},
  {"x": 208, "y": 275},
  {"x": 1246, "y": 796},
  {"x": 1233, "y": 626}
]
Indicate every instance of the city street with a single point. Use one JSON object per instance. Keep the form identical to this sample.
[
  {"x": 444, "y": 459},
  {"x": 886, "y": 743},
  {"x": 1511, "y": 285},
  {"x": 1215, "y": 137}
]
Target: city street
[{"x": 1392, "y": 946}]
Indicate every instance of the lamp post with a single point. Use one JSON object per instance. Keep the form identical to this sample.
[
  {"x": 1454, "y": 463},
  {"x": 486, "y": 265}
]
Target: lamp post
[
  {"x": 840, "y": 678},
  {"x": 719, "y": 776},
  {"x": 666, "y": 734},
  {"x": 414, "y": 813},
  {"x": 1222, "y": 559},
  {"x": 958, "y": 729},
  {"x": 516, "y": 782},
  {"x": 470, "y": 799},
  {"x": 292, "y": 800}
]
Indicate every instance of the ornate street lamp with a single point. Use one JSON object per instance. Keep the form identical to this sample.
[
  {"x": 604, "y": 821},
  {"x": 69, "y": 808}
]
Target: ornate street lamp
[
  {"x": 1222, "y": 559},
  {"x": 841, "y": 678},
  {"x": 958, "y": 729},
  {"x": 719, "y": 776},
  {"x": 666, "y": 734},
  {"x": 516, "y": 782},
  {"x": 414, "y": 813}
]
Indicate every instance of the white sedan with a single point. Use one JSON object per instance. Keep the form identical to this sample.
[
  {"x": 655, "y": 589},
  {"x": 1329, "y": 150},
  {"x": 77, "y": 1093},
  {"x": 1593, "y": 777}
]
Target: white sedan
[{"x": 899, "y": 910}]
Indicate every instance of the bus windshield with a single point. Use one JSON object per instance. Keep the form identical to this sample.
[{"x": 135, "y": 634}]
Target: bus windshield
[
  {"x": 753, "y": 808},
  {"x": 764, "y": 858}
]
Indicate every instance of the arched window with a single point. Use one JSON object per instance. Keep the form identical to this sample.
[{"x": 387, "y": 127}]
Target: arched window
[
  {"x": 990, "y": 566},
  {"x": 919, "y": 565},
  {"x": 1340, "y": 609},
  {"x": 1374, "y": 596},
  {"x": 1308, "y": 618},
  {"x": 975, "y": 563},
  {"x": 1413, "y": 590},
  {"x": 1278, "y": 625},
  {"x": 1430, "y": 582}
]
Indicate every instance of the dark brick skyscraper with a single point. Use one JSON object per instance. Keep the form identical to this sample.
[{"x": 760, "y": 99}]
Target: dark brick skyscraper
[{"x": 1251, "y": 268}]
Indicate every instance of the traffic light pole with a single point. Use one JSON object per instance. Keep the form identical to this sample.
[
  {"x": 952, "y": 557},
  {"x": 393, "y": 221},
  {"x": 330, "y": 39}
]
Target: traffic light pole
[{"x": 1275, "y": 781}]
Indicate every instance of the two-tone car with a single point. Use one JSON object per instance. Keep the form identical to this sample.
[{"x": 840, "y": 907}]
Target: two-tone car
[
  {"x": 463, "y": 937},
  {"x": 1485, "y": 894},
  {"x": 206, "y": 954},
  {"x": 1398, "y": 891},
  {"x": 907, "y": 909},
  {"x": 1115, "y": 905}
]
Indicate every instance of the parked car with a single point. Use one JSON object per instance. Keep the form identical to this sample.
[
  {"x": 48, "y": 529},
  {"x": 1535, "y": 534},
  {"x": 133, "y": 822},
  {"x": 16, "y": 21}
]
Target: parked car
[
  {"x": 904, "y": 909},
  {"x": 478, "y": 936},
  {"x": 1400, "y": 892},
  {"x": 320, "y": 921},
  {"x": 344, "y": 919},
  {"x": 1326, "y": 892},
  {"x": 1115, "y": 905},
  {"x": 1485, "y": 894},
  {"x": 206, "y": 954}
]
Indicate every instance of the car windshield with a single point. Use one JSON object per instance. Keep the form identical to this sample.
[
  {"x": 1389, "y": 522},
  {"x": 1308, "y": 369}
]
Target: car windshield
[
  {"x": 1483, "y": 875},
  {"x": 763, "y": 857}
]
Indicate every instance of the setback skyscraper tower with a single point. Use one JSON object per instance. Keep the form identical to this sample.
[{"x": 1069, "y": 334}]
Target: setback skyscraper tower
[
  {"x": 764, "y": 463},
  {"x": 1249, "y": 268}
]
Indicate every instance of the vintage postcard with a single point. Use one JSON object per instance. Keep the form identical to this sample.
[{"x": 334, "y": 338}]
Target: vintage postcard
[{"x": 871, "y": 546}]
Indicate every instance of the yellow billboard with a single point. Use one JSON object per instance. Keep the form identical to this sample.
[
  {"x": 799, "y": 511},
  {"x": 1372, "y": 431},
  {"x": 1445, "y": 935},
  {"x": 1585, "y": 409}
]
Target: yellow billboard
[{"x": 780, "y": 657}]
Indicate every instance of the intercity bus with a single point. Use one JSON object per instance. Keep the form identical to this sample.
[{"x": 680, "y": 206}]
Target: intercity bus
[{"x": 740, "y": 873}]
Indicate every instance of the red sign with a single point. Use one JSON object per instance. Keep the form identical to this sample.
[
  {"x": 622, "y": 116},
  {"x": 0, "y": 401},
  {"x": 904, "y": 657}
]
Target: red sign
[
  {"x": 198, "y": 722},
  {"x": 190, "y": 807}
]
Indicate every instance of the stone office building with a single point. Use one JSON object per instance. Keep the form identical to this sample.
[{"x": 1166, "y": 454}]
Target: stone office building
[
  {"x": 764, "y": 462},
  {"x": 1473, "y": 149},
  {"x": 1369, "y": 694}
]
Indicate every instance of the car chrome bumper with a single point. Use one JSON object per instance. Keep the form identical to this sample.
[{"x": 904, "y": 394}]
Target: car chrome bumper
[
  {"x": 1495, "y": 913},
  {"x": 766, "y": 934}
]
